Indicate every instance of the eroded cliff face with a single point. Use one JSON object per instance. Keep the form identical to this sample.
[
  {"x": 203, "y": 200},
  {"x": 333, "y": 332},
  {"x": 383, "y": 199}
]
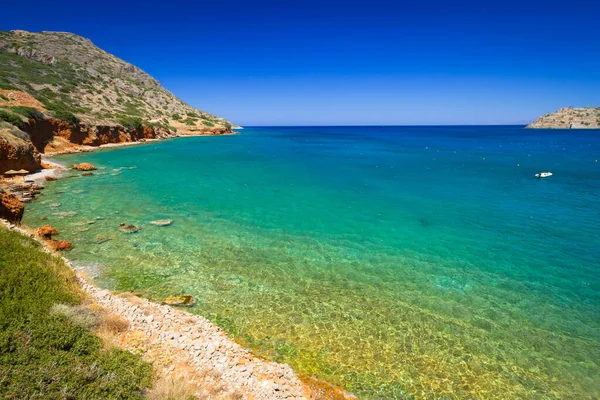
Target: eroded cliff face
[
  {"x": 16, "y": 150},
  {"x": 53, "y": 135}
]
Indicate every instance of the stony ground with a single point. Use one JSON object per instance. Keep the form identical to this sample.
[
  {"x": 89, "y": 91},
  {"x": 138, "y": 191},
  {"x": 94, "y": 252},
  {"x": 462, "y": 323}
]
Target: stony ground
[{"x": 191, "y": 347}]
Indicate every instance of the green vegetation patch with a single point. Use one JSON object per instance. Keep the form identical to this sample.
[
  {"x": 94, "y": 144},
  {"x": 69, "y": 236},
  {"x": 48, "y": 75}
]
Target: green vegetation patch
[
  {"x": 28, "y": 112},
  {"x": 42, "y": 353},
  {"x": 11, "y": 118}
]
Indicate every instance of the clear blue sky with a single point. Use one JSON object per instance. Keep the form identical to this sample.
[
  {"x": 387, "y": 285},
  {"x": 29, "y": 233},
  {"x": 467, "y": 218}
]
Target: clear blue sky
[{"x": 308, "y": 62}]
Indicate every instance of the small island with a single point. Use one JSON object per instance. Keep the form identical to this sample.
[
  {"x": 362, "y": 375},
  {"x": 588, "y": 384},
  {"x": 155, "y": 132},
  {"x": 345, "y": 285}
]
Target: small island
[{"x": 569, "y": 118}]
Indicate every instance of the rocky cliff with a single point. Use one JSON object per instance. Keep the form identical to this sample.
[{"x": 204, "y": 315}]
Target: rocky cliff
[
  {"x": 570, "y": 118},
  {"x": 16, "y": 150},
  {"x": 65, "y": 92}
]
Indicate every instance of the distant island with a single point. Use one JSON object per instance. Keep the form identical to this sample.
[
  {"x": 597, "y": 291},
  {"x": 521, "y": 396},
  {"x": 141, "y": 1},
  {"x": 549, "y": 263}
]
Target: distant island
[{"x": 569, "y": 118}]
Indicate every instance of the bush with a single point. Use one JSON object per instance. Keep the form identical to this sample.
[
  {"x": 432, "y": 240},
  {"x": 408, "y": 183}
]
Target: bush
[
  {"x": 11, "y": 118},
  {"x": 44, "y": 354},
  {"x": 28, "y": 112},
  {"x": 193, "y": 115},
  {"x": 189, "y": 121},
  {"x": 176, "y": 117},
  {"x": 130, "y": 122},
  {"x": 66, "y": 116}
]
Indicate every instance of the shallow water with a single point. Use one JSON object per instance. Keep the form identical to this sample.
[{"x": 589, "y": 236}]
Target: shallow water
[{"x": 394, "y": 261}]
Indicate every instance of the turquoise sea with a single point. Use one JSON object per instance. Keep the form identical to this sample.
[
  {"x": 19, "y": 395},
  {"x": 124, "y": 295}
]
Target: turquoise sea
[{"x": 396, "y": 262}]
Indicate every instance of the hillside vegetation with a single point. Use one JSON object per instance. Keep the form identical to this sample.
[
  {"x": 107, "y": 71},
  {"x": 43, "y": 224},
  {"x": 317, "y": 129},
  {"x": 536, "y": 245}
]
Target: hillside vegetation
[
  {"x": 46, "y": 348},
  {"x": 570, "y": 118},
  {"x": 78, "y": 82}
]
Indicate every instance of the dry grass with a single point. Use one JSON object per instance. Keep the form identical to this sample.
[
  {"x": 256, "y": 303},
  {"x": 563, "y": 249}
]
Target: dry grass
[
  {"x": 78, "y": 315},
  {"x": 165, "y": 388},
  {"x": 110, "y": 328}
]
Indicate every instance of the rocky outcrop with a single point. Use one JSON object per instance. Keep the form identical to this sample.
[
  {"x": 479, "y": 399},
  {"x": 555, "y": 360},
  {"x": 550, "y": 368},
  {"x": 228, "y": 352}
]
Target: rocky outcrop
[
  {"x": 52, "y": 135},
  {"x": 46, "y": 232},
  {"x": 83, "y": 167},
  {"x": 60, "y": 245},
  {"x": 16, "y": 150},
  {"x": 11, "y": 207},
  {"x": 73, "y": 76},
  {"x": 569, "y": 118}
]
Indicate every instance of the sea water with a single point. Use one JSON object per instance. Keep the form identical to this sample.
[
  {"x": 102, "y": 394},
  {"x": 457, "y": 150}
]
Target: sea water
[{"x": 397, "y": 262}]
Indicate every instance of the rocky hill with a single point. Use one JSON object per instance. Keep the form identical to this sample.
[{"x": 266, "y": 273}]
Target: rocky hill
[
  {"x": 64, "y": 92},
  {"x": 570, "y": 118}
]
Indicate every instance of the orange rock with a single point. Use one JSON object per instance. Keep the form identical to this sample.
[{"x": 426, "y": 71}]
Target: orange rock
[
  {"x": 11, "y": 207},
  {"x": 83, "y": 167},
  {"x": 60, "y": 245},
  {"x": 47, "y": 232}
]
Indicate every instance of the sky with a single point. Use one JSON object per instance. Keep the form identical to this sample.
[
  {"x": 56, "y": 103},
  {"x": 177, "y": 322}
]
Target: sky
[{"x": 348, "y": 63}]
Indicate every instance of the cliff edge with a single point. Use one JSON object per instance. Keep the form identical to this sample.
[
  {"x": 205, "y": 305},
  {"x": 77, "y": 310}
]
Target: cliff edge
[
  {"x": 61, "y": 92},
  {"x": 569, "y": 118}
]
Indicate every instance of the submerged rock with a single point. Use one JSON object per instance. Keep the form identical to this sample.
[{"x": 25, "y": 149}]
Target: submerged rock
[
  {"x": 83, "y": 167},
  {"x": 65, "y": 214},
  {"x": 162, "y": 222},
  {"x": 101, "y": 239},
  {"x": 87, "y": 174},
  {"x": 128, "y": 228},
  {"x": 182, "y": 300}
]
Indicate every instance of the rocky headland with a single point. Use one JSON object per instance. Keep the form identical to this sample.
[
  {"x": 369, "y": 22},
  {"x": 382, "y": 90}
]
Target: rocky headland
[
  {"x": 60, "y": 93},
  {"x": 569, "y": 118}
]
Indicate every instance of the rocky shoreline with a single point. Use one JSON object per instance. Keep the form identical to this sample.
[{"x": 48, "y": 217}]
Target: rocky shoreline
[{"x": 186, "y": 349}]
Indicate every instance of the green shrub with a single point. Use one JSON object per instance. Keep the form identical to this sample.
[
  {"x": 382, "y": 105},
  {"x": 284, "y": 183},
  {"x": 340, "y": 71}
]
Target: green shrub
[
  {"x": 43, "y": 354},
  {"x": 28, "y": 112},
  {"x": 189, "y": 121},
  {"x": 3, "y": 97},
  {"x": 11, "y": 118},
  {"x": 208, "y": 123},
  {"x": 68, "y": 116},
  {"x": 176, "y": 117},
  {"x": 130, "y": 122},
  {"x": 193, "y": 115}
]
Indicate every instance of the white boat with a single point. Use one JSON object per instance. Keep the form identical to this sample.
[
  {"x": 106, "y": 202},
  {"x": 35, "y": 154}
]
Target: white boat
[{"x": 543, "y": 174}]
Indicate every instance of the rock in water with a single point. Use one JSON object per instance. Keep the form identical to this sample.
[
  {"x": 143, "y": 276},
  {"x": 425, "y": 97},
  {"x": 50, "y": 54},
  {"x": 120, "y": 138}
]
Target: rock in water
[
  {"x": 87, "y": 174},
  {"x": 83, "y": 167},
  {"x": 128, "y": 228},
  {"x": 60, "y": 245},
  {"x": 162, "y": 222},
  {"x": 183, "y": 300},
  {"x": 47, "y": 232},
  {"x": 11, "y": 207}
]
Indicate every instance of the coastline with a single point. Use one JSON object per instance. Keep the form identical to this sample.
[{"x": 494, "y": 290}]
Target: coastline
[{"x": 185, "y": 348}]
